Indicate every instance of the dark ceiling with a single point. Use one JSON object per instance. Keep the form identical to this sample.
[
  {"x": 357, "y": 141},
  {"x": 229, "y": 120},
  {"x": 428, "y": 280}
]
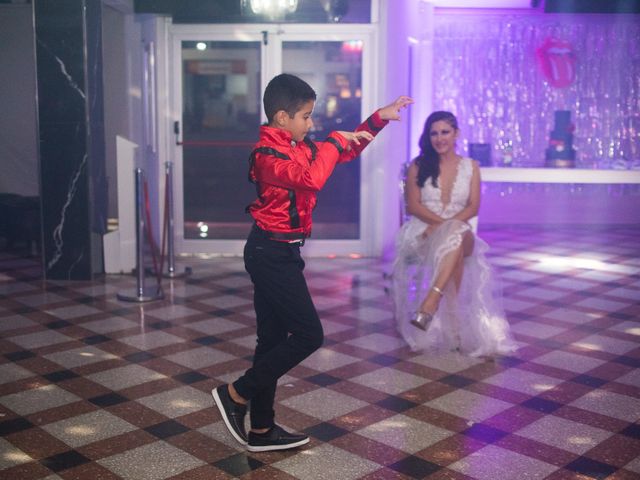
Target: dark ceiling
[
  {"x": 311, "y": 11},
  {"x": 232, "y": 11},
  {"x": 592, "y": 6}
]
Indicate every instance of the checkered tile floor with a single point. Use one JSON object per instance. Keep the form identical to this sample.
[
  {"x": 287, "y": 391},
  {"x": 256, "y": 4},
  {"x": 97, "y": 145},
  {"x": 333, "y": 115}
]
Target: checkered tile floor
[{"x": 94, "y": 388}]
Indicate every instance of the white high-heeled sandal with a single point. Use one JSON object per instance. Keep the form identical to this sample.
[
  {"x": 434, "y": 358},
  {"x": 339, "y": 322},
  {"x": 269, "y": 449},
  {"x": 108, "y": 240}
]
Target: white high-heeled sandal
[{"x": 424, "y": 319}]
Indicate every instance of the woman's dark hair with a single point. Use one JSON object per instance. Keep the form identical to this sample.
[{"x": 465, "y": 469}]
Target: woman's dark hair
[{"x": 427, "y": 161}]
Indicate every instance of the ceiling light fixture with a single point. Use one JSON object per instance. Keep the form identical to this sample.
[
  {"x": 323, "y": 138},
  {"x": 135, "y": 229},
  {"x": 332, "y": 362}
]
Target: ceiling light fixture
[
  {"x": 336, "y": 9},
  {"x": 272, "y": 8}
]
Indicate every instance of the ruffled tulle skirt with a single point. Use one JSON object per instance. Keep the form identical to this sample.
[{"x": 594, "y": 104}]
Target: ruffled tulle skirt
[{"x": 471, "y": 319}]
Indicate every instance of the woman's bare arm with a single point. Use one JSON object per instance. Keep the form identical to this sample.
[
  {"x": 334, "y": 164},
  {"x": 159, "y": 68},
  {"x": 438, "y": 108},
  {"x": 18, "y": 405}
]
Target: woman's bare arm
[
  {"x": 414, "y": 200},
  {"x": 473, "y": 204}
]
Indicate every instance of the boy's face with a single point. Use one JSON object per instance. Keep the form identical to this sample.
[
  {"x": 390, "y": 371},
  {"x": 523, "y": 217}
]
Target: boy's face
[{"x": 301, "y": 122}]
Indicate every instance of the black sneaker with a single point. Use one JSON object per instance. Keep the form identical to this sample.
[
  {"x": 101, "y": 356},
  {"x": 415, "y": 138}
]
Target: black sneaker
[
  {"x": 275, "y": 439},
  {"x": 232, "y": 413}
]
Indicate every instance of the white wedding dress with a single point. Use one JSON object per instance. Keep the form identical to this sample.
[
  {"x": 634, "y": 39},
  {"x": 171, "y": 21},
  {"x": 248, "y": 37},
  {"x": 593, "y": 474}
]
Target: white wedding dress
[{"x": 473, "y": 319}]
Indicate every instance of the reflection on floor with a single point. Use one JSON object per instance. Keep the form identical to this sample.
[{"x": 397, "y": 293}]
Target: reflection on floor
[{"x": 94, "y": 388}]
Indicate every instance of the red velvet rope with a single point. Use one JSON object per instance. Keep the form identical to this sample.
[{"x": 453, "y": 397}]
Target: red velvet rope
[
  {"x": 152, "y": 242},
  {"x": 165, "y": 226}
]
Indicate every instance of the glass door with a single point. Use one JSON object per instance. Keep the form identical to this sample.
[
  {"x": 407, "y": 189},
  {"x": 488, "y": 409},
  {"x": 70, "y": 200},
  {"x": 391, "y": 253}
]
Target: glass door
[
  {"x": 334, "y": 68},
  {"x": 218, "y": 84}
]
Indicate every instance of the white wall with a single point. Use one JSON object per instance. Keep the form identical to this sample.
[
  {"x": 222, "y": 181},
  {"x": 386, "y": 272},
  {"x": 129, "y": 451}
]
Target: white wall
[
  {"x": 18, "y": 145},
  {"x": 397, "y": 21},
  {"x": 115, "y": 48},
  {"x": 153, "y": 135},
  {"x": 122, "y": 55}
]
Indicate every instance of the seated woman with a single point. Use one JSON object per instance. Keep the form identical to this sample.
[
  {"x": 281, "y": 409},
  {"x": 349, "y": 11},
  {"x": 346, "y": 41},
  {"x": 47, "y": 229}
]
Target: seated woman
[{"x": 442, "y": 282}]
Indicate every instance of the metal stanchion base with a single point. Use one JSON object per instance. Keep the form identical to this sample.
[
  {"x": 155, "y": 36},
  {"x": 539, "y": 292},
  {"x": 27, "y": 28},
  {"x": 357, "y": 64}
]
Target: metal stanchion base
[
  {"x": 174, "y": 274},
  {"x": 171, "y": 275},
  {"x": 147, "y": 294}
]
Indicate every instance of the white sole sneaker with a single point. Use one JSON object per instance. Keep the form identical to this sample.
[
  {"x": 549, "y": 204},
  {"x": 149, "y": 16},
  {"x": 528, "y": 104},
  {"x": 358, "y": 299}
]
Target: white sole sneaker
[
  {"x": 218, "y": 401},
  {"x": 268, "y": 448}
]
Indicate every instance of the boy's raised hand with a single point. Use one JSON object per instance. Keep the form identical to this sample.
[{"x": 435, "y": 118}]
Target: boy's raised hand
[
  {"x": 392, "y": 111},
  {"x": 356, "y": 136}
]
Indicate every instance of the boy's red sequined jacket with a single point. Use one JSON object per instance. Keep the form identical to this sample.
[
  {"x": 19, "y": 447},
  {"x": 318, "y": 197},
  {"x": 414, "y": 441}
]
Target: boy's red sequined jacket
[{"x": 288, "y": 175}]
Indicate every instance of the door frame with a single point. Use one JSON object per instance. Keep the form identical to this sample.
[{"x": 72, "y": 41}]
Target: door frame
[{"x": 271, "y": 58}]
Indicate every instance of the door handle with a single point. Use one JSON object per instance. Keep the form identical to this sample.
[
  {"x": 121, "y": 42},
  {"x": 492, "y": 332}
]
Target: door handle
[{"x": 176, "y": 131}]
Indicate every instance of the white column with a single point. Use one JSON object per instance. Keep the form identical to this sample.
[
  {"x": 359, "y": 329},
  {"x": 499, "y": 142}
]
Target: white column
[
  {"x": 393, "y": 77},
  {"x": 421, "y": 68},
  {"x": 120, "y": 244}
]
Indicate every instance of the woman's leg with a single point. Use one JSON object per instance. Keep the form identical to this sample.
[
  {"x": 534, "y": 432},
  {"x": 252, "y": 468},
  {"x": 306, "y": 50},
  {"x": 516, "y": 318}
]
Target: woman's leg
[
  {"x": 451, "y": 268},
  {"x": 468, "y": 241}
]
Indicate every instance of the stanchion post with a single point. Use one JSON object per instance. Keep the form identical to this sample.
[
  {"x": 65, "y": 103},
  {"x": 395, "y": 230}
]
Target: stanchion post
[
  {"x": 141, "y": 293},
  {"x": 171, "y": 261}
]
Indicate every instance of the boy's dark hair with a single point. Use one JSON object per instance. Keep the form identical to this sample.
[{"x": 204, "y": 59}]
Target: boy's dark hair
[{"x": 286, "y": 92}]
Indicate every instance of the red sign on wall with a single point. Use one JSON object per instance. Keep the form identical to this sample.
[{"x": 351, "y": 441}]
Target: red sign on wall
[
  {"x": 557, "y": 61},
  {"x": 216, "y": 67}
]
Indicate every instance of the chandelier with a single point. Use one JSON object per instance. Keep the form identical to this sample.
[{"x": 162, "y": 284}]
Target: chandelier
[{"x": 272, "y": 8}]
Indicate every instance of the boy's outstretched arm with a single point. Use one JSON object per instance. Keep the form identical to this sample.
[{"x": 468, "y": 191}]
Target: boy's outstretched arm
[
  {"x": 392, "y": 111},
  {"x": 356, "y": 136},
  {"x": 346, "y": 145},
  {"x": 358, "y": 141}
]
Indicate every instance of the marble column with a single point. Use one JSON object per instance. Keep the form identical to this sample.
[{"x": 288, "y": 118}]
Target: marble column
[{"x": 71, "y": 136}]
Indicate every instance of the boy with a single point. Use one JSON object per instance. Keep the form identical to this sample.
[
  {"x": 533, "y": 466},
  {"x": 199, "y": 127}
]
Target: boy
[{"x": 288, "y": 170}]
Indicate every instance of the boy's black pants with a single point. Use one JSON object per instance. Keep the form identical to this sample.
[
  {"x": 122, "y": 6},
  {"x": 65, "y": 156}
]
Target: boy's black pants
[{"x": 288, "y": 326}]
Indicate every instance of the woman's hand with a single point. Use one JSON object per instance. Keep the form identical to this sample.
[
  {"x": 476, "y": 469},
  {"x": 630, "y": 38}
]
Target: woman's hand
[
  {"x": 429, "y": 230},
  {"x": 392, "y": 111}
]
